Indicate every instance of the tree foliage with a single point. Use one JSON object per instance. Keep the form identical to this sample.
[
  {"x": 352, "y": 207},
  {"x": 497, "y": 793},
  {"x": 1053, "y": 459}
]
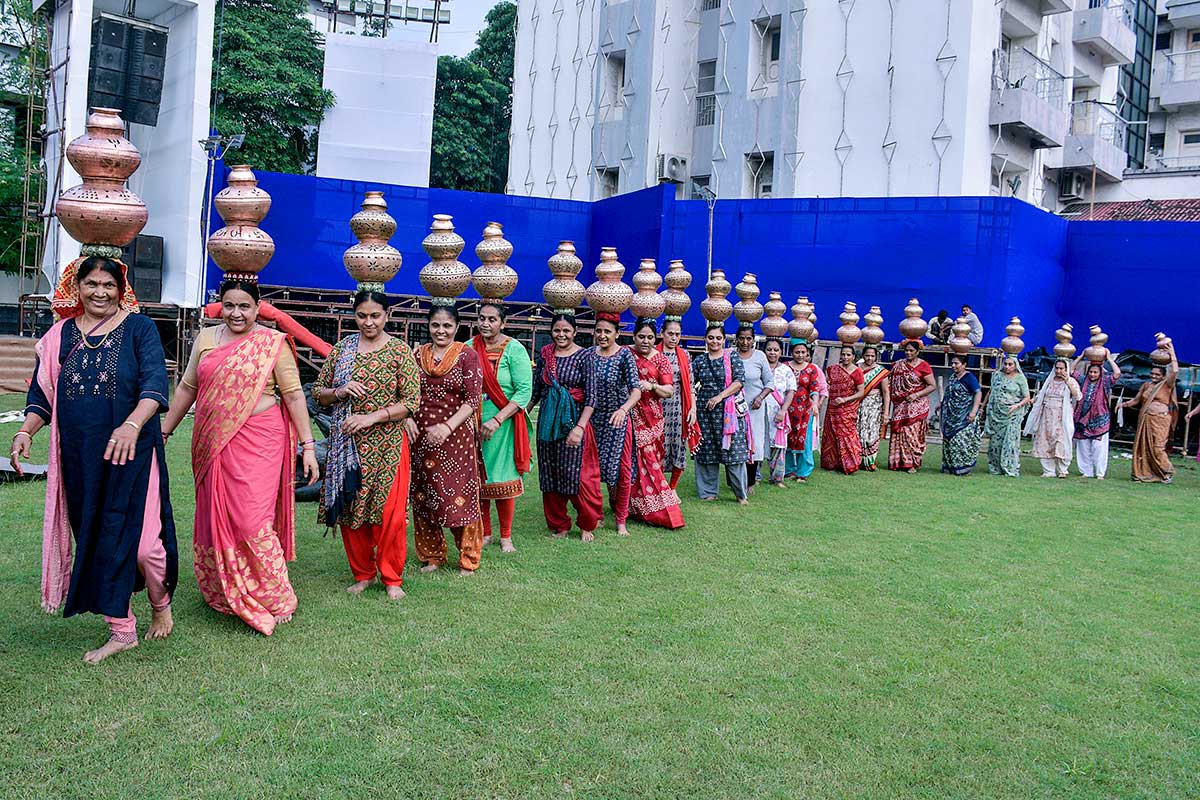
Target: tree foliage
[
  {"x": 267, "y": 83},
  {"x": 16, "y": 28},
  {"x": 472, "y": 112}
]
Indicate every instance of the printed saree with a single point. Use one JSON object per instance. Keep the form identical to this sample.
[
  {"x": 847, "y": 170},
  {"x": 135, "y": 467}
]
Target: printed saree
[
  {"x": 1003, "y": 427},
  {"x": 910, "y": 415},
  {"x": 960, "y": 434},
  {"x": 652, "y": 500},
  {"x": 840, "y": 447}
]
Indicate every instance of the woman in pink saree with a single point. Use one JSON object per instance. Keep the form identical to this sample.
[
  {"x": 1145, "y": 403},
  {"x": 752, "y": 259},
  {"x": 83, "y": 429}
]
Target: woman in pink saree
[{"x": 243, "y": 460}]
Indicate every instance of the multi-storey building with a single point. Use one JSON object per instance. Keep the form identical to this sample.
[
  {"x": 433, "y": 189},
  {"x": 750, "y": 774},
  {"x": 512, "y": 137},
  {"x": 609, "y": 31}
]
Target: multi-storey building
[{"x": 754, "y": 98}]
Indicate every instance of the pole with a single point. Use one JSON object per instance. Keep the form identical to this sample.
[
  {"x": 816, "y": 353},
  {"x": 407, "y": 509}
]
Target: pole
[
  {"x": 1092, "y": 200},
  {"x": 712, "y": 204}
]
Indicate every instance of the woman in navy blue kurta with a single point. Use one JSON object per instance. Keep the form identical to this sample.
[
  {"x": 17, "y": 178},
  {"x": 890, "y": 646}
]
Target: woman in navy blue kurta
[{"x": 109, "y": 459}]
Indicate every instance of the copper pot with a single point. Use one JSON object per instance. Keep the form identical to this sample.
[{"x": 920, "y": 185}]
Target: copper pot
[
  {"x": 959, "y": 333},
  {"x": 675, "y": 296},
  {"x": 563, "y": 292},
  {"x": 801, "y": 327},
  {"x": 241, "y": 246},
  {"x": 1161, "y": 355},
  {"x": 1012, "y": 343},
  {"x": 849, "y": 332},
  {"x": 608, "y": 294},
  {"x": 372, "y": 262},
  {"x": 873, "y": 332},
  {"x": 773, "y": 325},
  {"x": 444, "y": 277},
  {"x": 1096, "y": 352},
  {"x": 494, "y": 279},
  {"x": 1064, "y": 348},
  {"x": 646, "y": 302},
  {"x": 715, "y": 307},
  {"x": 748, "y": 310},
  {"x": 912, "y": 326},
  {"x": 102, "y": 210}
]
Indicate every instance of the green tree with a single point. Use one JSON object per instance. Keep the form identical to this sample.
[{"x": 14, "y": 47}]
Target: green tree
[
  {"x": 267, "y": 83},
  {"x": 17, "y": 29},
  {"x": 473, "y": 109}
]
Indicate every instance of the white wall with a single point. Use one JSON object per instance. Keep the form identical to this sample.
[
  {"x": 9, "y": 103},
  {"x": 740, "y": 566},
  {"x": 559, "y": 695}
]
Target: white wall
[{"x": 382, "y": 126}]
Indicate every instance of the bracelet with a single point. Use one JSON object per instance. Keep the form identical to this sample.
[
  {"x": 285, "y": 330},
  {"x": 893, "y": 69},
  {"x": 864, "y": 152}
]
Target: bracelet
[
  {"x": 307, "y": 442},
  {"x": 132, "y": 424},
  {"x": 23, "y": 433}
]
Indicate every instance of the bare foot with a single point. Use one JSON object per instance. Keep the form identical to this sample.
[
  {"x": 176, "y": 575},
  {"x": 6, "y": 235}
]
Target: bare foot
[
  {"x": 622, "y": 530},
  {"x": 487, "y": 540},
  {"x": 560, "y": 534},
  {"x": 911, "y": 470},
  {"x": 708, "y": 499},
  {"x": 109, "y": 648},
  {"x": 161, "y": 624},
  {"x": 283, "y": 619},
  {"x": 743, "y": 502},
  {"x": 506, "y": 546},
  {"x": 430, "y": 567},
  {"x": 359, "y": 586},
  {"x": 395, "y": 593},
  {"x": 587, "y": 536},
  {"x": 465, "y": 573}
]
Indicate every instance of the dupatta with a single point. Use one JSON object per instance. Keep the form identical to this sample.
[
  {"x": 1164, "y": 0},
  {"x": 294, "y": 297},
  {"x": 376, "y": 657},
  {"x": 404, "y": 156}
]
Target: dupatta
[
  {"x": 232, "y": 378},
  {"x": 343, "y": 470},
  {"x": 522, "y": 453},
  {"x": 691, "y": 434},
  {"x": 56, "y": 525}
]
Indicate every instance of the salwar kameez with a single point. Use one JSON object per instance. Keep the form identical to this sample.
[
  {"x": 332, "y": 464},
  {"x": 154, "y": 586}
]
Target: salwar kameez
[
  {"x": 507, "y": 378},
  {"x": 1051, "y": 422},
  {"x": 910, "y": 415},
  {"x": 366, "y": 490},
  {"x": 723, "y": 432},
  {"x": 445, "y": 477},
  {"x": 1003, "y": 426},
  {"x": 108, "y": 529},
  {"x": 1092, "y": 422},
  {"x": 652, "y": 501},
  {"x": 784, "y": 381},
  {"x": 960, "y": 434},
  {"x": 569, "y": 474},
  {"x": 616, "y": 377},
  {"x": 758, "y": 377},
  {"x": 870, "y": 415},
  {"x": 802, "y": 439},
  {"x": 840, "y": 448}
]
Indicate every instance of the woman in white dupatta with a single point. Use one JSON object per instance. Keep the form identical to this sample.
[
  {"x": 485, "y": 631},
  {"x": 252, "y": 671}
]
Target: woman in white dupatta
[{"x": 1052, "y": 421}]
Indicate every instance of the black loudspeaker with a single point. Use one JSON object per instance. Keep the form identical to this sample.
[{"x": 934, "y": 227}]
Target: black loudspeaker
[
  {"x": 144, "y": 257},
  {"x": 129, "y": 57}
]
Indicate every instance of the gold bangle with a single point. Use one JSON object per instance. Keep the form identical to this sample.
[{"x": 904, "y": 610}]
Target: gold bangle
[{"x": 132, "y": 424}]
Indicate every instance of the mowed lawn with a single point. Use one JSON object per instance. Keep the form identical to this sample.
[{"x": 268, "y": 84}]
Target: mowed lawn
[{"x": 875, "y": 636}]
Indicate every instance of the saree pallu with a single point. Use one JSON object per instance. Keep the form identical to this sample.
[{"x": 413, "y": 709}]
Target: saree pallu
[
  {"x": 910, "y": 416},
  {"x": 244, "y": 466},
  {"x": 652, "y": 500},
  {"x": 1150, "y": 461},
  {"x": 1003, "y": 427},
  {"x": 840, "y": 447},
  {"x": 870, "y": 425},
  {"x": 960, "y": 435}
]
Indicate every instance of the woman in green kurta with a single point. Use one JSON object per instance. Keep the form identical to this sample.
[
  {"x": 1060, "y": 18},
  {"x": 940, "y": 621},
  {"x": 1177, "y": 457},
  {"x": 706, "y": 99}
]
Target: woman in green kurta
[
  {"x": 507, "y": 389},
  {"x": 1007, "y": 399}
]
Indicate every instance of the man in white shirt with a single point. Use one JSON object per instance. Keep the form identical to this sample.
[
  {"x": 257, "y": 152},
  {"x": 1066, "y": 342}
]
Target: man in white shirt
[{"x": 976, "y": 334}]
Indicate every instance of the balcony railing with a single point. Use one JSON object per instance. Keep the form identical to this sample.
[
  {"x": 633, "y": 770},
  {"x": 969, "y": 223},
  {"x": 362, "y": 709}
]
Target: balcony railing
[
  {"x": 1092, "y": 118},
  {"x": 1157, "y": 162},
  {"x": 1021, "y": 69},
  {"x": 1121, "y": 9},
  {"x": 1183, "y": 65}
]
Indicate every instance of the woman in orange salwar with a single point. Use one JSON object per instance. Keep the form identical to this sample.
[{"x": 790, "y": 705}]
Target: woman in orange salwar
[
  {"x": 243, "y": 459},
  {"x": 652, "y": 500}
]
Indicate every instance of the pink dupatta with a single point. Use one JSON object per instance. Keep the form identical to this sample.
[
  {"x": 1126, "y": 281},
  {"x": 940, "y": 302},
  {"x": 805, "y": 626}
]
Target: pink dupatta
[
  {"x": 56, "y": 526},
  {"x": 729, "y": 420}
]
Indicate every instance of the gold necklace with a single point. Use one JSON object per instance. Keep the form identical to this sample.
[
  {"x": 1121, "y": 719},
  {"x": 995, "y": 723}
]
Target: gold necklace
[{"x": 98, "y": 344}]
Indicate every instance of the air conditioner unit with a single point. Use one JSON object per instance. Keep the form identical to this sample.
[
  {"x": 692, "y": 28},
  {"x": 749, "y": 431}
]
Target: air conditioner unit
[
  {"x": 672, "y": 168},
  {"x": 1071, "y": 186}
]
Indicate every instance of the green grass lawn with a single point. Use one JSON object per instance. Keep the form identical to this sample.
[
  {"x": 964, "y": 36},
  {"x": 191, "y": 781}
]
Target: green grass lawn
[{"x": 882, "y": 635}]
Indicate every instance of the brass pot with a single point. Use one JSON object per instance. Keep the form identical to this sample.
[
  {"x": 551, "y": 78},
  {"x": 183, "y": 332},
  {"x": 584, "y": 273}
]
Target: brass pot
[
  {"x": 912, "y": 326},
  {"x": 646, "y": 302},
  {"x": 1161, "y": 355},
  {"x": 959, "y": 333},
  {"x": 747, "y": 310},
  {"x": 241, "y": 246},
  {"x": 102, "y": 210},
  {"x": 1096, "y": 352},
  {"x": 444, "y": 277},
  {"x": 372, "y": 262},
  {"x": 608, "y": 294},
  {"x": 676, "y": 298},
  {"x": 873, "y": 332},
  {"x": 801, "y": 327},
  {"x": 494, "y": 279},
  {"x": 715, "y": 307},
  {"x": 563, "y": 292},
  {"x": 849, "y": 332},
  {"x": 1064, "y": 348},
  {"x": 773, "y": 325},
  {"x": 1012, "y": 343}
]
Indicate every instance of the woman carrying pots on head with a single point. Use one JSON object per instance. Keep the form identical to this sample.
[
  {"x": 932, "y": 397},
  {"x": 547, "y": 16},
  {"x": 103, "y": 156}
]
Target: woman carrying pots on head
[
  {"x": 681, "y": 432},
  {"x": 250, "y": 413},
  {"x": 445, "y": 450},
  {"x": 911, "y": 382},
  {"x": 616, "y": 394},
  {"x": 99, "y": 385},
  {"x": 758, "y": 386},
  {"x": 779, "y": 400},
  {"x": 568, "y": 464},
  {"x": 372, "y": 382},
  {"x": 1008, "y": 397},
  {"x": 507, "y": 389},
  {"x": 724, "y": 431},
  {"x": 804, "y": 412},
  {"x": 653, "y": 501},
  {"x": 1051, "y": 422},
  {"x": 875, "y": 408}
]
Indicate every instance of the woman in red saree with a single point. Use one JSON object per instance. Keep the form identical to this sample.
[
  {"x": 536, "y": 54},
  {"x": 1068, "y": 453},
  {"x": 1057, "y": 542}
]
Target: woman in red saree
[
  {"x": 910, "y": 382},
  {"x": 653, "y": 501},
  {"x": 243, "y": 459},
  {"x": 803, "y": 413},
  {"x": 841, "y": 448}
]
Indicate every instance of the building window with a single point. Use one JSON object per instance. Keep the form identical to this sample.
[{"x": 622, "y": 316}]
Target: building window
[
  {"x": 760, "y": 175},
  {"x": 1190, "y": 143},
  {"x": 710, "y": 5},
  {"x": 608, "y": 180},
  {"x": 1158, "y": 142},
  {"x": 614, "y": 74},
  {"x": 765, "y": 47},
  {"x": 699, "y": 183},
  {"x": 706, "y": 101},
  {"x": 1135, "y": 82},
  {"x": 1163, "y": 41}
]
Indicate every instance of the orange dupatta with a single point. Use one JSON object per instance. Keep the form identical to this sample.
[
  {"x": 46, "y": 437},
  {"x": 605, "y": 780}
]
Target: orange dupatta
[{"x": 691, "y": 435}]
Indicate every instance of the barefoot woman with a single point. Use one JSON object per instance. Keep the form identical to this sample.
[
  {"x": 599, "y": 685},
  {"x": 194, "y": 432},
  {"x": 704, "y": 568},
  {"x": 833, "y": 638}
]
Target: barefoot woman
[
  {"x": 243, "y": 459},
  {"x": 371, "y": 381},
  {"x": 653, "y": 501},
  {"x": 100, "y": 384},
  {"x": 445, "y": 454},
  {"x": 507, "y": 388},
  {"x": 616, "y": 394}
]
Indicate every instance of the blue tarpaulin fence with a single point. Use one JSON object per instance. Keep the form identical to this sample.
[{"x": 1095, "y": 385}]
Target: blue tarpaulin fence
[{"x": 1000, "y": 255}]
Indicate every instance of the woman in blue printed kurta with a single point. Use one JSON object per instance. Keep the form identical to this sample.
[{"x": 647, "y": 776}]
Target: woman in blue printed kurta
[
  {"x": 723, "y": 435},
  {"x": 617, "y": 392}
]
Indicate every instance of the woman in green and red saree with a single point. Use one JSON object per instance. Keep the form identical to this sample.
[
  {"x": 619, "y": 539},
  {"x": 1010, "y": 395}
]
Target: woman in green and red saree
[
  {"x": 876, "y": 406},
  {"x": 243, "y": 459},
  {"x": 506, "y": 432},
  {"x": 911, "y": 382}
]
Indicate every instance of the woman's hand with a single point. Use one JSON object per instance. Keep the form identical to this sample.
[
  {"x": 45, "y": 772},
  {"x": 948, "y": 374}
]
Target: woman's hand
[
  {"x": 780, "y": 416},
  {"x": 20, "y": 449},
  {"x": 691, "y": 417},
  {"x": 971, "y": 416},
  {"x": 645, "y": 386},
  {"x": 757, "y": 404},
  {"x": 837, "y": 401},
  {"x": 713, "y": 402},
  {"x": 410, "y": 429},
  {"x": 122, "y": 445},
  {"x": 357, "y": 422},
  {"x": 353, "y": 389},
  {"x": 575, "y": 437},
  {"x": 312, "y": 470},
  {"x": 489, "y": 428},
  {"x": 617, "y": 420},
  {"x": 1013, "y": 407},
  {"x": 438, "y": 434}
]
